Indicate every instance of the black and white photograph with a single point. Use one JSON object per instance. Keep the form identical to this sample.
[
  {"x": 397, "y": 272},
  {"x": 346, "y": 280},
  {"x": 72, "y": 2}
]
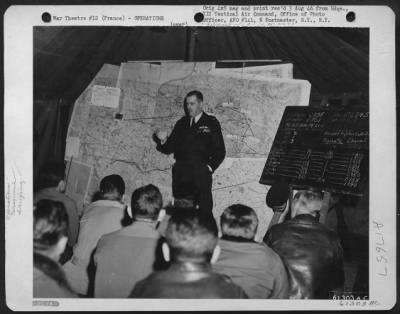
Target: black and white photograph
[{"x": 202, "y": 162}]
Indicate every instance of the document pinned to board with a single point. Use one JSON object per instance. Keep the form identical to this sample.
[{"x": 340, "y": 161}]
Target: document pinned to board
[
  {"x": 72, "y": 147},
  {"x": 105, "y": 96}
]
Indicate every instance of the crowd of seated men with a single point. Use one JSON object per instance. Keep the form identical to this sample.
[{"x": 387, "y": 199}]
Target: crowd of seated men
[{"x": 147, "y": 249}]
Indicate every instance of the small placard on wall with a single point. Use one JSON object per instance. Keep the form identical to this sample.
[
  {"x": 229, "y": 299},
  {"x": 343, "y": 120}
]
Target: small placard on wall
[
  {"x": 105, "y": 96},
  {"x": 72, "y": 147}
]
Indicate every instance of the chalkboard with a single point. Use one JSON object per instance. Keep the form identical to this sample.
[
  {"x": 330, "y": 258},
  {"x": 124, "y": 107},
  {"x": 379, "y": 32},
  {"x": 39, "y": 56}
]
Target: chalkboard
[{"x": 321, "y": 148}]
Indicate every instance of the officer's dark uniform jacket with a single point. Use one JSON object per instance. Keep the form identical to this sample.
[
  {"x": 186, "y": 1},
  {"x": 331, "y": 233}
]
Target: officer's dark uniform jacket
[
  {"x": 312, "y": 254},
  {"x": 186, "y": 280},
  {"x": 201, "y": 143}
]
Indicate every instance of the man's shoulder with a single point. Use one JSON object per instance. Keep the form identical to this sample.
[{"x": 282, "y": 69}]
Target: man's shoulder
[
  {"x": 227, "y": 287},
  {"x": 110, "y": 237},
  {"x": 210, "y": 118},
  {"x": 182, "y": 120},
  {"x": 268, "y": 252},
  {"x": 306, "y": 227},
  {"x": 55, "y": 196},
  {"x": 68, "y": 201},
  {"x": 254, "y": 250},
  {"x": 129, "y": 235},
  {"x": 280, "y": 226}
]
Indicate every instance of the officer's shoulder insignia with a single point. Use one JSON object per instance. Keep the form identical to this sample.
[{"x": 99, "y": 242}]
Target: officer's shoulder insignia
[{"x": 211, "y": 116}]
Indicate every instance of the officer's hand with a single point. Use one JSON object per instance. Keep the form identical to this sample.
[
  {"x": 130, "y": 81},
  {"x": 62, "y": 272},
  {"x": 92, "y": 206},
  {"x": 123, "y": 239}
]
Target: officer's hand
[
  {"x": 162, "y": 135},
  {"x": 284, "y": 213}
]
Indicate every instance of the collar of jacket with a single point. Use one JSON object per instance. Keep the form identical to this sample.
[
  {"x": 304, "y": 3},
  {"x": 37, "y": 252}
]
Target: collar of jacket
[
  {"x": 200, "y": 117},
  {"x": 50, "y": 190},
  {"x": 190, "y": 266},
  {"x": 145, "y": 222},
  {"x": 236, "y": 239},
  {"x": 107, "y": 203},
  {"x": 305, "y": 218}
]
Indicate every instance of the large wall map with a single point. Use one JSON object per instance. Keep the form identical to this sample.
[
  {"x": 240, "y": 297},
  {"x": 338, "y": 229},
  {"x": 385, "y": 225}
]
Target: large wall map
[{"x": 249, "y": 104}]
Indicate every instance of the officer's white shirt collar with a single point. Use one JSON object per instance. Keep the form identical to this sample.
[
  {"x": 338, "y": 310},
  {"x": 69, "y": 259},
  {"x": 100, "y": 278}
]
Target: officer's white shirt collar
[{"x": 196, "y": 118}]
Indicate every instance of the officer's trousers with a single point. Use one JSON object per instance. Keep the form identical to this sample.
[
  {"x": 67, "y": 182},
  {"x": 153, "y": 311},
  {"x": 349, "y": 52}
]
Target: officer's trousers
[{"x": 197, "y": 173}]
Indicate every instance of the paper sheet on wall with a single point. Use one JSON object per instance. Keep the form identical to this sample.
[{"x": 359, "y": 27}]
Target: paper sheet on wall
[
  {"x": 72, "y": 147},
  {"x": 105, "y": 96}
]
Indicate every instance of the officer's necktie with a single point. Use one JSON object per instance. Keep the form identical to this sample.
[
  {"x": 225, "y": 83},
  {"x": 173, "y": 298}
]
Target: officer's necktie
[{"x": 192, "y": 123}]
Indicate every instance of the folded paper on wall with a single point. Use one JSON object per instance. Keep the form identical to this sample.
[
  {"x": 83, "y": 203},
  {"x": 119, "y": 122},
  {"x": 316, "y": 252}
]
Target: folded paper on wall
[{"x": 105, "y": 96}]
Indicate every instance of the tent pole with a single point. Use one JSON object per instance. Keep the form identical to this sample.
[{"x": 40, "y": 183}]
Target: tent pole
[{"x": 191, "y": 37}]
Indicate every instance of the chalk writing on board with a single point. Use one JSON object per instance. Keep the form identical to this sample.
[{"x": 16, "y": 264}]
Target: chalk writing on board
[{"x": 323, "y": 148}]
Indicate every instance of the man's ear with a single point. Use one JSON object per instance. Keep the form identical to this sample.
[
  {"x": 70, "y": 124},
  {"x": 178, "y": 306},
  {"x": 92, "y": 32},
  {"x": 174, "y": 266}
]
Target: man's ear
[
  {"x": 129, "y": 211},
  {"x": 166, "y": 251},
  {"x": 216, "y": 253},
  {"x": 60, "y": 246}
]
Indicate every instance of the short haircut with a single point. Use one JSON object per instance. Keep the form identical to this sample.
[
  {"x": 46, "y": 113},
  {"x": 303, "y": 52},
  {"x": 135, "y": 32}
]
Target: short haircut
[
  {"x": 51, "y": 174},
  {"x": 307, "y": 201},
  {"x": 191, "y": 235},
  {"x": 112, "y": 184},
  {"x": 239, "y": 221},
  {"x": 196, "y": 93},
  {"x": 50, "y": 223},
  {"x": 146, "y": 201}
]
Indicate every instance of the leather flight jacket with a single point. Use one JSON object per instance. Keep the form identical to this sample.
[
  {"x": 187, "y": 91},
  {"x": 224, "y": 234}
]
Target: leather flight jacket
[
  {"x": 187, "y": 280},
  {"x": 312, "y": 254}
]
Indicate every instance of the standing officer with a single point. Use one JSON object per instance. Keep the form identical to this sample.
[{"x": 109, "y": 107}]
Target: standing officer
[{"x": 198, "y": 148}]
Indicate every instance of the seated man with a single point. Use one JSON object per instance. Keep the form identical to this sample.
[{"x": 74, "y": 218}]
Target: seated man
[
  {"x": 100, "y": 217},
  {"x": 185, "y": 198},
  {"x": 52, "y": 187},
  {"x": 191, "y": 245},
  {"x": 50, "y": 225},
  {"x": 127, "y": 255},
  {"x": 311, "y": 252},
  {"x": 253, "y": 266}
]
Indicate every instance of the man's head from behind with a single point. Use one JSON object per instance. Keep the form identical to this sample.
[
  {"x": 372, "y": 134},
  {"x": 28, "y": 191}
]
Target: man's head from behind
[
  {"x": 50, "y": 224},
  {"x": 112, "y": 188},
  {"x": 191, "y": 237},
  {"x": 306, "y": 202},
  {"x": 193, "y": 103},
  {"x": 146, "y": 202},
  {"x": 239, "y": 221},
  {"x": 52, "y": 175}
]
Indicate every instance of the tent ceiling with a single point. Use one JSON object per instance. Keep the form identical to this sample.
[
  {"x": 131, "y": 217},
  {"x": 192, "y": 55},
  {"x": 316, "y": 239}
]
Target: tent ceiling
[{"x": 66, "y": 59}]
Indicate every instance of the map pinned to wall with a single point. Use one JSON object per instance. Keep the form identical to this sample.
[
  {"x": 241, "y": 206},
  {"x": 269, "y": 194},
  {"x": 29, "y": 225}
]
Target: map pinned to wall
[
  {"x": 234, "y": 183},
  {"x": 249, "y": 107},
  {"x": 283, "y": 71}
]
